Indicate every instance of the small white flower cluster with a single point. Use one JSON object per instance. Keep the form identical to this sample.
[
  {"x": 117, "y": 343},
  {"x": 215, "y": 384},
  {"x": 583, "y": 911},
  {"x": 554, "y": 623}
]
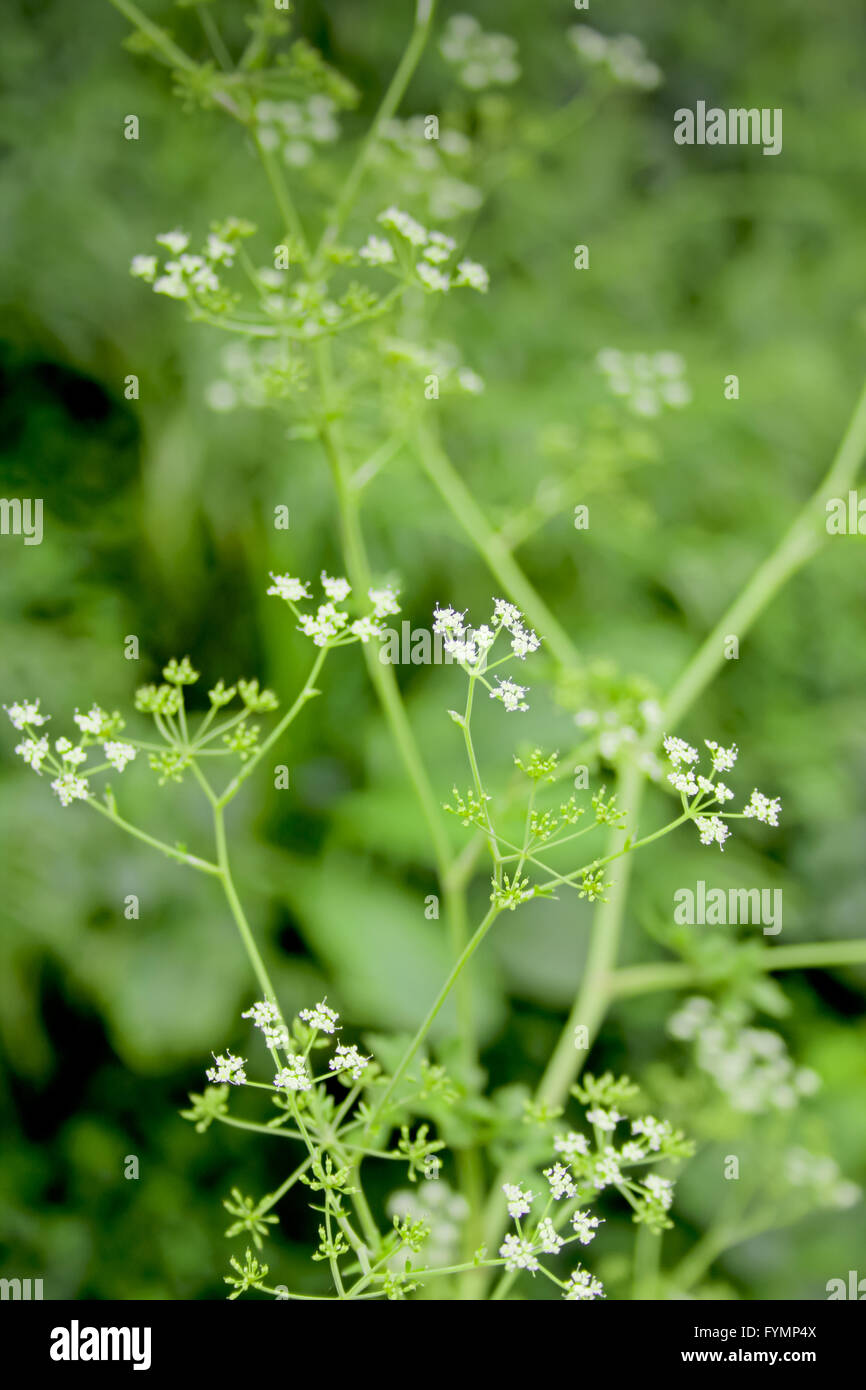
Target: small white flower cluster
[
  {"x": 321, "y": 1019},
  {"x": 470, "y": 646},
  {"x": 712, "y": 829},
  {"x": 751, "y": 1066},
  {"x": 646, "y": 383},
  {"x": 350, "y": 1060},
  {"x": 185, "y": 276},
  {"x": 295, "y": 127},
  {"x": 430, "y": 252},
  {"x": 294, "y": 1074},
  {"x": 330, "y": 625},
  {"x": 66, "y": 758},
  {"x": 266, "y": 1017},
  {"x": 229, "y": 1069},
  {"x": 624, "y": 56},
  {"x": 481, "y": 60},
  {"x": 521, "y": 1251}
]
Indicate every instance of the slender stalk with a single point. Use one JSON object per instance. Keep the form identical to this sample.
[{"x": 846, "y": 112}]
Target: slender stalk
[
  {"x": 391, "y": 100},
  {"x": 466, "y": 954},
  {"x": 180, "y": 856},
  {"x": 631, "y": 980}
]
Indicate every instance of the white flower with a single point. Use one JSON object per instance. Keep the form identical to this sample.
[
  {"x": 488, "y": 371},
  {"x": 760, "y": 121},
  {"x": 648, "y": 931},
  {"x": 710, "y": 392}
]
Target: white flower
[
  {"x": 377, "y": 251},
  {"x": 582, "y": 1285},
  {"x": 510, "y": 694},
  {"x": 365, "y": 628},
  {"x": 119, "y": 754},
  {"x": 173, "y": 285},
  {"x": 723, "y": 758},
  {"x": 294, "y": 1075},
  {"x": 405, "y": 225},
  {"x": 349, "y": 1059},
  {"x": 561, "y": 1182},
  {"x": 506, "y": 614},
  {"x": 175, "y": 241},
  {"x": 518, "y": 1201},
  {"x": 92, "y": 722},
  {"x": 523, "y": 640},
  {"x": 321, "y": 1018},
  {"x": 572, "y": 1145},
  {"x": 712, "y": 830},
  {"x": 228, "y": 1069},
  {"x": 23, "y": 712},
  {"x": 604, "y": 1119},
  {"x": 585, "y": 1226},
  {"x": 518, "y": 1254},
  {"x": 632, "y": 1152},
  {"x": 546, "y": 1237},
  {"x": 653, "y": 1130},
  {"x": 218, "y": 250},
  {"x": 70, "y": 788},
  {"x": 446, "y": 621},
  {"x": 470, "y": 381},
  {"x": 326, "y": 624},
  {"x": 763, "y": 809},
  {"x": 472, "y": 274},
  {"x": 384, "y": 601},
  {"x": 606, "y": 1170},
  {"x": 661, "y": 1190},
  {"x": 336, "y": 589},
  {"x": 679, "y": 751},
  {"x": 684, "y": 782},
  {"x": 144, "y": 268},
  {"x": 723, "y": 793},
  {"x": 33, "y": 751},
  {"x": 266, "y": 1016},
  {"x": 289, "y": 588},
  {"x": 482, "y": 60},
  {"x": 434, "y": 279}
]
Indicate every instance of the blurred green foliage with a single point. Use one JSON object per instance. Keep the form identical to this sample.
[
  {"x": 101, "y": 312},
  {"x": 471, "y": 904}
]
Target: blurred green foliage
[{"x": 158, "y": 523}]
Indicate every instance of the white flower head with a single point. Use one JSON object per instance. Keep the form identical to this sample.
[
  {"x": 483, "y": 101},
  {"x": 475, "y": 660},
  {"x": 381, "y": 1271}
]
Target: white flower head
[
  {"x": 404, "y": 225},
  {"x": 474, "y": 275},
  {"x": 723, "y": 758},
  {"x": 585, "y": 1226},
  {"x": 93, "y": 722},
  {"x": 287, "y": 587},
  {"x": 653, "y": 1130},
  {"x": 511, "y": 694},
  {"x": 33, "y": 751},
  {"x": 604, "y": 1119},
  {"x": 684, "y": 782},
  {"x": 518, "y": 1254},
  {"x": 712, "y": 830},
  {"x": 519, "y": 1202},
  {"x": 448, "y": 622},
  {"x": 764, "y": 809},
  {"x": 349, "y": 1059},
  {"x": 583, "y": 1286},
  {"x": 571, "y": 1145},
  {"x": 294, "y": 1075},
  {"x": 384, "y": 601},
  {"x": 176, "y": 241},
  {"x": 336, "y": 589},
  {"x": 118, "y": 753},
  {"x": 366, "y": 628},
  {"x": 524, "y": 640},
  {"x": 228, "y": 1069},
  {"x": 321, "y": 1018},
  {"x": 546, "y": 1237},
  {"x": 144, "y": 268},
  {"x": 23, "y": 713},
  {"x": 561, "y": 1181},
  {"x": 68, "y": 787},
  {"x": 377, "y": 251},
  {"x": 679, "y": 751}
]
